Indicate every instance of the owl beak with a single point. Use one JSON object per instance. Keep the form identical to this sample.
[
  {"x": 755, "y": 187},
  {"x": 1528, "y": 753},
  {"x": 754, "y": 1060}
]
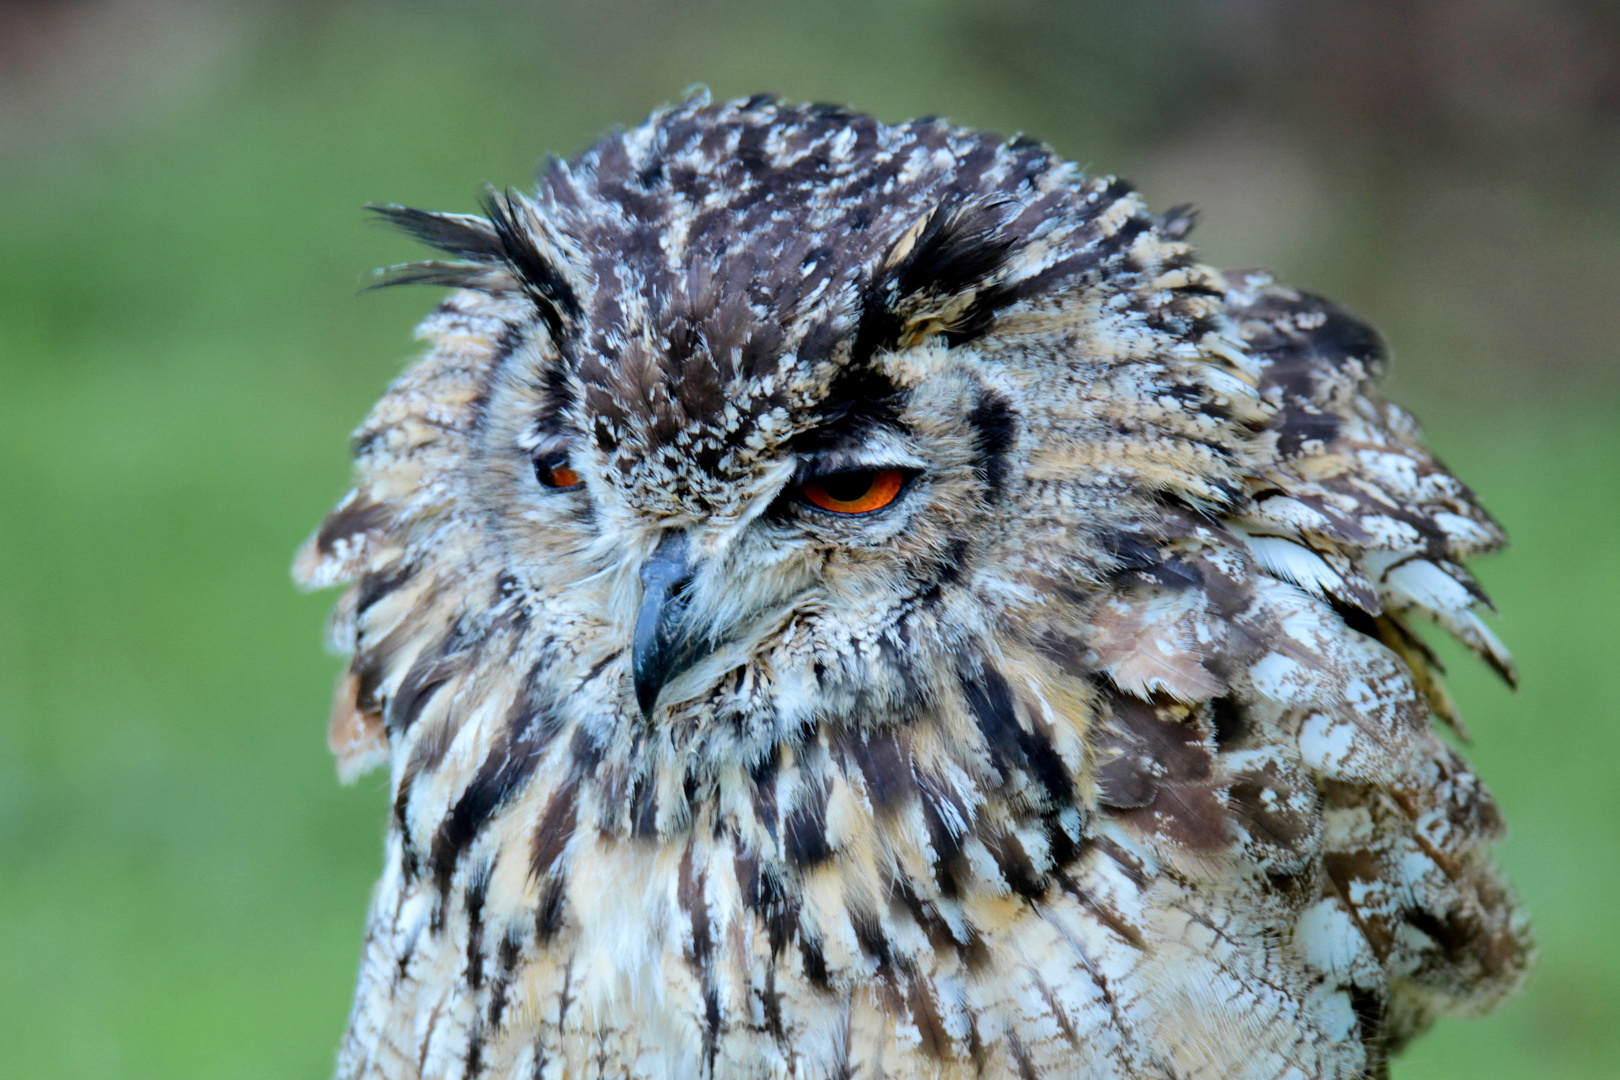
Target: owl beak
[{"x": 664, "y": 644}]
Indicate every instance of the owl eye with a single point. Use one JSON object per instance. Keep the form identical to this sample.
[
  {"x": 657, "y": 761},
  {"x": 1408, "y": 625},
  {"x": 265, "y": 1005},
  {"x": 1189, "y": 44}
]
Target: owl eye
[
  {"x": 553, "y": 471},
  {"x": 855, "y": 491}
]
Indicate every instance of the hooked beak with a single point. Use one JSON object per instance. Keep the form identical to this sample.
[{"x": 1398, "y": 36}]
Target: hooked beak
[{"x": 663, "y": 645}]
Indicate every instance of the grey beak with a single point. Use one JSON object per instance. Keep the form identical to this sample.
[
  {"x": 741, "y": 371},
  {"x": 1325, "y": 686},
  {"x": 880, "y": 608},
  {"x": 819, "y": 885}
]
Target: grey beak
[{"x": 663, "y": 645}]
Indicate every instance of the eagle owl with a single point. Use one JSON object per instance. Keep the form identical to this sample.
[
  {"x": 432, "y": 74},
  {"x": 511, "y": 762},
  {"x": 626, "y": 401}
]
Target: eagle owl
[{"x": 840, "y": 599}]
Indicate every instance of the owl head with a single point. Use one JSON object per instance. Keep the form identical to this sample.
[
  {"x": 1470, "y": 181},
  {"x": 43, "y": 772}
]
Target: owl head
[{"x": 755, "y": 418}]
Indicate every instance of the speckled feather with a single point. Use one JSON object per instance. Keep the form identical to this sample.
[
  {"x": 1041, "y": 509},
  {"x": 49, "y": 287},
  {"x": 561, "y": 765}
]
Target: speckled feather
[{"x": 1106, "y": 751}]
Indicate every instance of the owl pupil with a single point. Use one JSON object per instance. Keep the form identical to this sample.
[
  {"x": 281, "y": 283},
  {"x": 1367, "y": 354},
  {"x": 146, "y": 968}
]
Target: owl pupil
[{"x": 847, "y": 486}]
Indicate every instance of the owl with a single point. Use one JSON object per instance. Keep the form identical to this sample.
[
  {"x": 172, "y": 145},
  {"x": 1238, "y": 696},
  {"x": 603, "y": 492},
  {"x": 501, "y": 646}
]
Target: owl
[{"x": 840, "y": 599}]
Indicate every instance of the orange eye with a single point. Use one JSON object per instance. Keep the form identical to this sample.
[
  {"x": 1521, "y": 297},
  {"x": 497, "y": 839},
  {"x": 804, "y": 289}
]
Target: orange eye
[
  {"x": 554, "y": 472},
  {"x": 857, "y": 492}
]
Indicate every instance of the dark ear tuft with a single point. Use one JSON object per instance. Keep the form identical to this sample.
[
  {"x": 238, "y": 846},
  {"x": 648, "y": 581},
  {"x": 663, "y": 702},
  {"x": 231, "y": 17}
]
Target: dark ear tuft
[
  {"x": 462, "y": 235},
  {"x": 492, "y": 245},
  {"x": 961, "y": 247},
  {"x": 541, "y": 280},
  {"x": 941, "y": 277}
]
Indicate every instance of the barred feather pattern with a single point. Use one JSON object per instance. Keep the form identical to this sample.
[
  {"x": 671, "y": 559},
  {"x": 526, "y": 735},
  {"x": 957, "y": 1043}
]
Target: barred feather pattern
[{"x": 1107, "y": 751}]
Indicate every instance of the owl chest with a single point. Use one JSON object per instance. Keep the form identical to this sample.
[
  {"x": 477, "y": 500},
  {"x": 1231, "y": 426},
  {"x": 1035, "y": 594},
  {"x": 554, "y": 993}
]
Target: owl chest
[{"x": 676, "y": 962}]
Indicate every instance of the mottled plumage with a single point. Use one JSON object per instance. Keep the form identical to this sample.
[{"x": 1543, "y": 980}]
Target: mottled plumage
[{"x": 1105, "y": 749}]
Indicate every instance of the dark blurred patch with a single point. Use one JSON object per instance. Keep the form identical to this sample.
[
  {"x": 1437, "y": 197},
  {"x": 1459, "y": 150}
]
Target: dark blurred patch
[{"x": 1434, "y": 77}]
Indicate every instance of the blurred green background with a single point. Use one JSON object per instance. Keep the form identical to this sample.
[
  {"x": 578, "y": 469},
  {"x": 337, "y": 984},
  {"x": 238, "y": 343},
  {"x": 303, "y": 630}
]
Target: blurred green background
[{"x": 183, "y": 349}]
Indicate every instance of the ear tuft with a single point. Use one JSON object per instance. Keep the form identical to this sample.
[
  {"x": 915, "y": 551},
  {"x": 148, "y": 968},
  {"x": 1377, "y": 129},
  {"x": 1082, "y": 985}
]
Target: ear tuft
[
  {"x": 501, "y": 250},
  {"x": 941, "y": 277},
  {"x": 520, "y": 251}
]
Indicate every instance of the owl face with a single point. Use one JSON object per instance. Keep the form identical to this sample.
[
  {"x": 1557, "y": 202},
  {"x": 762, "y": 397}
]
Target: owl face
[{"x": 851, "y": 517}]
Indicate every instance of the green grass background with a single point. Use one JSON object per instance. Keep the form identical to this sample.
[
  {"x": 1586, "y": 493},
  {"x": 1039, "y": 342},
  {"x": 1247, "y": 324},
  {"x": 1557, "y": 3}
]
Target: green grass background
[{"x": 183, "y": 349}]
